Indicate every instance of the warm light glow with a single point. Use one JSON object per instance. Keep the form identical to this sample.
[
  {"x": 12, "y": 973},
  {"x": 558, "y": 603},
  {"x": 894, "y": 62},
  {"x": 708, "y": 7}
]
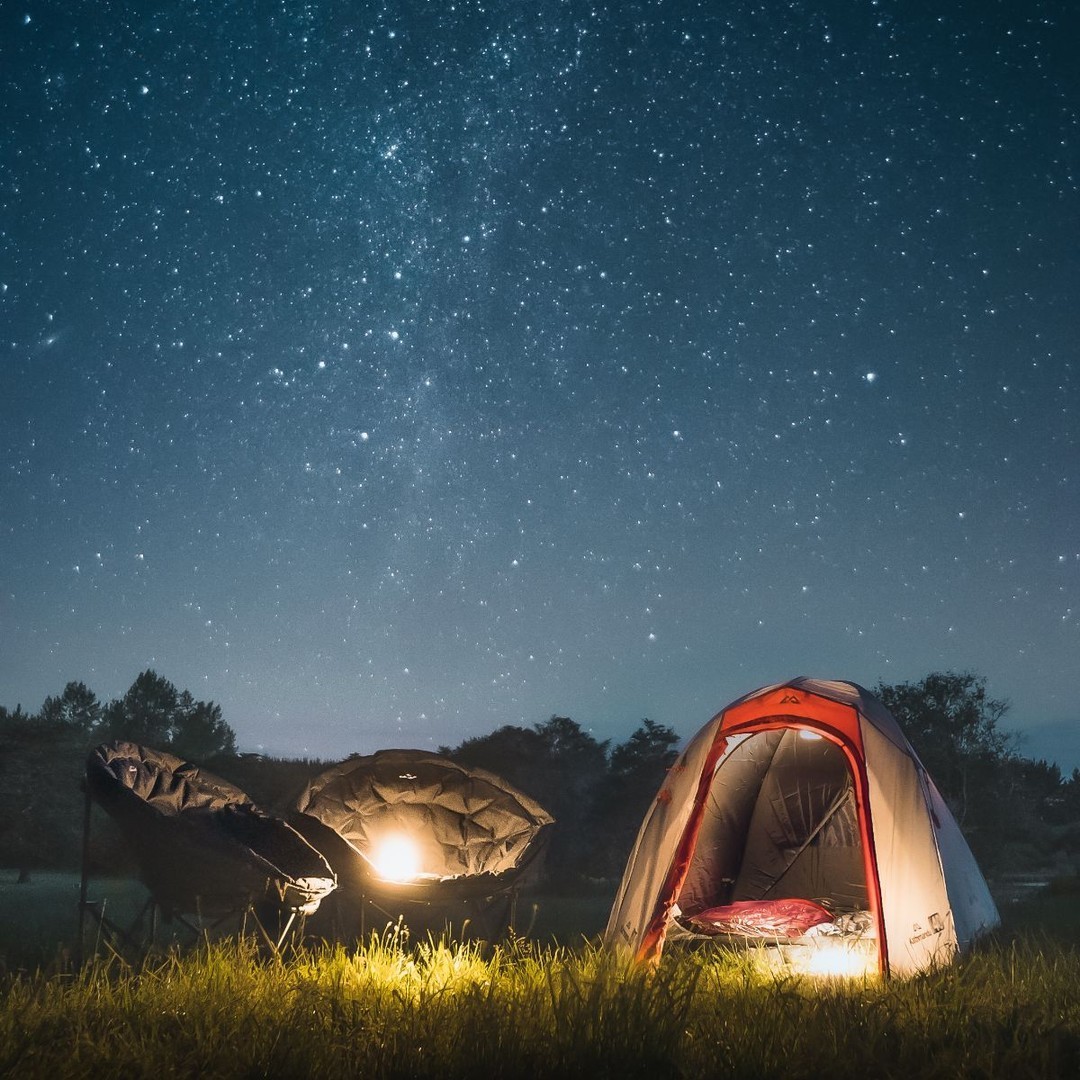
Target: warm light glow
[
  {"x": 826, "y": 959},
  {"x": 819, "y": 958},
  {"x": 396, "y": 858}
]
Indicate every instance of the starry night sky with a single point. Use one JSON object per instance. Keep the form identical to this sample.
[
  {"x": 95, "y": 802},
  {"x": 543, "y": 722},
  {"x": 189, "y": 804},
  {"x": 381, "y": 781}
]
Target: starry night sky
[{"x": 387, "y": 373}]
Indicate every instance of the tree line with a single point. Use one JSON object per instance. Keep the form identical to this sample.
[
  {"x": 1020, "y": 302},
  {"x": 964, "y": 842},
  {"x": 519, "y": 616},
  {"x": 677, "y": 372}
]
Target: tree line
[
  {"x": 43, "y": 758},
  {"x": 1017, "y": 813}
]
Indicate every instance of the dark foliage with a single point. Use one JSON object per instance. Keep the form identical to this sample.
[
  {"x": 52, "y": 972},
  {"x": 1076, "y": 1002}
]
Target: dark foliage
[
  {"x": 636, "y": 772},
  {"x": 273, "y": 783},
  {"x": 43, "y": 758},
  {"x": 558, "y": 764},
  {"x": 41, "y": 762},
  {"x": 154, "y": 713},
  {"x": 597, "y": 800},
  {"x": 1018, "y": 814},
  {"x": 1015, "y": 812}
]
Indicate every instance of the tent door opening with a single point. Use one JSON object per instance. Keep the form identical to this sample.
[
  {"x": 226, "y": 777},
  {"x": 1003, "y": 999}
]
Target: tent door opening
[{"x": 780, "y": 822}]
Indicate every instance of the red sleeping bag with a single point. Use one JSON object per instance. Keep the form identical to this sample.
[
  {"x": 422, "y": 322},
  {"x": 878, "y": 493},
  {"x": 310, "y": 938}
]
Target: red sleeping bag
[{"x": 788, "y": 918}]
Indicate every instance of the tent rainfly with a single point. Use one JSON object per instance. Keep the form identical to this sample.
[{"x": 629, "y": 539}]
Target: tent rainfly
[
  {"x": 415, "y": 835},
  {"x": 800, "y": 815}
]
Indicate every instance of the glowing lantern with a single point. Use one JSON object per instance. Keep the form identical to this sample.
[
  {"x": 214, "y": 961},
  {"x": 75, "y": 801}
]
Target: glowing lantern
[
  {"x": 396, "y": 858},
  {"x": 838, "y": 960}
]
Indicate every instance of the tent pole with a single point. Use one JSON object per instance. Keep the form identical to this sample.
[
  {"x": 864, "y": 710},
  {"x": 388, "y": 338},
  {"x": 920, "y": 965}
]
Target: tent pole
[{"x": 833, "y": 810}]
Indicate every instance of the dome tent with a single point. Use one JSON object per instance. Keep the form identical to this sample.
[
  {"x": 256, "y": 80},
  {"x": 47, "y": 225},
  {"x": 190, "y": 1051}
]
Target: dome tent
[
  {"x": 416, "y": 836},
  {"x": 803, "y": 793}
]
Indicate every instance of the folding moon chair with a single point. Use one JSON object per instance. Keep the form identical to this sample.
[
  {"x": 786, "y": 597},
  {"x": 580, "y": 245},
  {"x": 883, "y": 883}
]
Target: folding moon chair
[
  {"x": 210, "y": 858},
  {"x": 417, "y": 838}
]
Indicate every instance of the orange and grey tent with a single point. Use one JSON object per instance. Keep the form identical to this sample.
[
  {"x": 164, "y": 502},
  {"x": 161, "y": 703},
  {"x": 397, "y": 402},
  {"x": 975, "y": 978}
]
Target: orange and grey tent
[{"x": 801, "y": 815}]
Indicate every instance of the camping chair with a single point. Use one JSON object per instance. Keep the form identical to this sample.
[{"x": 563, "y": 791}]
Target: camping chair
[
  {"x": 419, "y": 840},
  {"x": 211, "y": 859}
]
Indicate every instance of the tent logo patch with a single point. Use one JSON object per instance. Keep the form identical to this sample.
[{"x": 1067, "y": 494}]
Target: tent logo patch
[
  {"x": 936, "y": 925},
  {"x": 790, "y": 699}
]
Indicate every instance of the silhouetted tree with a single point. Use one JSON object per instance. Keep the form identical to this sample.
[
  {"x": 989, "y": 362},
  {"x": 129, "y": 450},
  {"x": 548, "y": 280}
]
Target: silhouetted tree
[
  {"x": 510, "y": 752},
  {"x": 41, "y": 767},
  {"x": 154, "y": 713},
  {"x": 273, "y": 783},
  {"x": 1010, "y": 808},
  {"x": 199, "y": 732},
  {"x": 1070, "y": 798},
  {"x": 1067, "y": 818},
  {"x": 953, "y": 724},
  {"x": 558, "y": 764},
  {"x": 571, "y": 764},
  {"x": 146, "y": 713},
  {"x": 43, "y": 758},
  {"x": 77, "y": 707},
  {"x": 647, "y": 755},
  {"x": 636, "y": 770}
]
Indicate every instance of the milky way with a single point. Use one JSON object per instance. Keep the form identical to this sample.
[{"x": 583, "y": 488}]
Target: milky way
[{"x": 390, "y": 372}]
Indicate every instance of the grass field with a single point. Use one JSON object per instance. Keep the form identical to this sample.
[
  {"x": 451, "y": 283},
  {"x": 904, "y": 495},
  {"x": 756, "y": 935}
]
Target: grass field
[
  {"x": 1012, "y": 1009},
  {"x": 39, "y": 919}
]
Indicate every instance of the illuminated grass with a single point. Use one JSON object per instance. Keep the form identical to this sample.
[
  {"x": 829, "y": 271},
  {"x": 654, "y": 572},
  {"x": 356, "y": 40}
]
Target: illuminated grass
[
  {"x": 439, "y": 1011},
  {"x": 1010, "y": 1011}
]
